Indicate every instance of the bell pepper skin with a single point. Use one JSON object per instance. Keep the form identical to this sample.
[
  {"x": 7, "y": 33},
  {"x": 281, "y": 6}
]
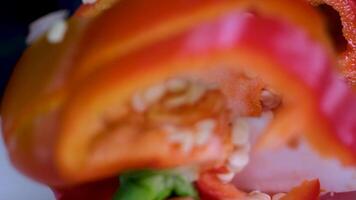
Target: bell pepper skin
[
  {"x": 50, "y": 124},
  {"x": 308, "y": 190},
  {"x": 39, "y": 99},
  {"x": 93, "y": 9},
  {"x": 170, "y": 18},
  {"x": 346, "y": 9},
  {"x": 211, "y": 188},
  {"x": 205, "y": 52}
]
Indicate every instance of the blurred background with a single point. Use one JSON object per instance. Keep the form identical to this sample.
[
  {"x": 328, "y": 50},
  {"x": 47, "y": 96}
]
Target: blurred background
[{"x": 15, "y": 17}]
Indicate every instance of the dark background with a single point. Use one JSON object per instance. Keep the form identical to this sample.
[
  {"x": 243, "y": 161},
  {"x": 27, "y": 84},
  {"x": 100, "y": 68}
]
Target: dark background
[{"x": 15, "y": 16}]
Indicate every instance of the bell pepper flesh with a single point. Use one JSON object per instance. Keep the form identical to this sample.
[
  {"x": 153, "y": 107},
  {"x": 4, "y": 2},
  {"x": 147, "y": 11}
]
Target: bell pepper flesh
[
  {"x": 96, "y": 37},
  {"x": 36, "y": 99},
  {"x": 93, "y": 9},
  {"x": 205, "y": 52},
  {"x": 211, "y": 188},
  {"x": 328, "y": 122},
  {"x": 171, "y": 18},
  {"x": 308, "y": 190}
]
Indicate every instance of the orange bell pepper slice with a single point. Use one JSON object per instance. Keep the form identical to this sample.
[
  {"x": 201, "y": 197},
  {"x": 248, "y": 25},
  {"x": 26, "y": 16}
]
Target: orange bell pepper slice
[
  {"x": 346, "y": 9},
  {"x": 167, "y": 18},
  {"x": 51, "y": 119},
  {"x": 308, "y": 190},
  {"x": 203, "y": 53}
]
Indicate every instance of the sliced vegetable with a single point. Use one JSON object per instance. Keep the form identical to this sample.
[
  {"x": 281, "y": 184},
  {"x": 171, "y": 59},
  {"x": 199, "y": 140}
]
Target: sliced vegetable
[
  {"x": 312, "y": 108},
  {"x": 72, "y": 120},
  {"x": 211, "y": 188},
  {"x": 153, "y": 185},
  {"x": 169, "y": 19},
  {"x": 308, "y": 190}
]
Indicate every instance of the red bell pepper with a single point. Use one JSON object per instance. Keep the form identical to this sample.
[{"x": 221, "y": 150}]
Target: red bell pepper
[
  {"x": 211, "y": 188},
  {"x": 55, "y": 105}
]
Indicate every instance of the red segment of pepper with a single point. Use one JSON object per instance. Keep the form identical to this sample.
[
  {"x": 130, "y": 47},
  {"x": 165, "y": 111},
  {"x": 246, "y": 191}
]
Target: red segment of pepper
[{"x": 211, "y": 188}]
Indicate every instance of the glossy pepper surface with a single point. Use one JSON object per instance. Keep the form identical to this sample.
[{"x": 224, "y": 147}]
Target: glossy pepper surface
[{"x": 55, "y": 104}]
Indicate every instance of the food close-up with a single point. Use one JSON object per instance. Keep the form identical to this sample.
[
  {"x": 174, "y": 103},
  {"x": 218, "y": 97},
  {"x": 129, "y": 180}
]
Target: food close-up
[{"x": 188, "y": 100}]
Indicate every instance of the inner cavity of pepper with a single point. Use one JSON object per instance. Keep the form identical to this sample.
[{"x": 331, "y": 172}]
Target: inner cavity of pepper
[
  {"x": 189, "y": 113},
  {"x": 189, "y": 107}
]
